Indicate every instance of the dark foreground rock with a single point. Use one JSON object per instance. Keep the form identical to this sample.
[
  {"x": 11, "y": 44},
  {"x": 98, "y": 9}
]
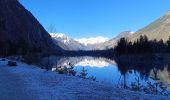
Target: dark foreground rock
[{"x": 12, "y": 63}]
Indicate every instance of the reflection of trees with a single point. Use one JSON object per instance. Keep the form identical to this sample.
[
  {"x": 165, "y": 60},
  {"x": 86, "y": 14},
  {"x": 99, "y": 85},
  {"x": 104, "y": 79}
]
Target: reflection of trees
[
  {"x": 155, "y": 77},
  {"x": 123, "y": 69},
  {"x": 143, "y": 68},
  {"x": 147, "y": 70}
]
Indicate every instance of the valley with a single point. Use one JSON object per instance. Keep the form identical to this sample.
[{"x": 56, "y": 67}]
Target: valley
[{"x": 36, "y": 64}]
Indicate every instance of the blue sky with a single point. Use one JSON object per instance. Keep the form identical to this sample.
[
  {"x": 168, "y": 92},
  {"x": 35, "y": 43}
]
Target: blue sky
[{"x": 90, "y": 18}]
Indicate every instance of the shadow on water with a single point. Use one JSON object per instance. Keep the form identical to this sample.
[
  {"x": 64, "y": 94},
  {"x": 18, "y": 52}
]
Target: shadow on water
[
  {"x": 137, "y": 74},
  {"x": 154, "y": 72}
]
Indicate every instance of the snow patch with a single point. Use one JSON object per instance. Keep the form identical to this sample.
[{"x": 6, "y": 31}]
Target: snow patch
[{"x": 63, "y": 37}]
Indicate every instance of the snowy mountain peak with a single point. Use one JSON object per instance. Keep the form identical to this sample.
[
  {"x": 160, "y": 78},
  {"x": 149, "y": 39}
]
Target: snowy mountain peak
[
  {"x": 61, "y": 36},
  {"x": 78, "y": 44},
  {"x": 92, "y": 40},
  {"x": 67, "y": 41}
]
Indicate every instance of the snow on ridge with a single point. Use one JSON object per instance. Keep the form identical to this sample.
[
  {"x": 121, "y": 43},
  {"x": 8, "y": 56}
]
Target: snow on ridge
[
  {"x": 92, "y": 40},
  {"x": 84, "y": 41},
  {"x": 64, "y": 38},
  {"x": 58, "y": 35}
]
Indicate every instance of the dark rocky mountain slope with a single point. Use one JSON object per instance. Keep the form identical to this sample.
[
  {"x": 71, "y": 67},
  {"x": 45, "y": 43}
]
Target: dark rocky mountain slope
[{"x": 21, "y": 32}]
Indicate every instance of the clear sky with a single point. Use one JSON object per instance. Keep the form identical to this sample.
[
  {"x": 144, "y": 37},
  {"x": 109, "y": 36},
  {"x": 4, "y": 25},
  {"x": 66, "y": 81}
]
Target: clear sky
[{"x": 90, "y": 18}]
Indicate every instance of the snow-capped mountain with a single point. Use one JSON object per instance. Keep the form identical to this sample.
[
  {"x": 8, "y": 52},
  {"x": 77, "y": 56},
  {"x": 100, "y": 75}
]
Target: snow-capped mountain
[
  {"x": 61, "y": 37},
  {"x": 77, "y": 44},
  {"x": 92, "y": 43},
  {"x": 70, "y": 43},
  {"x": 92, "y": 40}
]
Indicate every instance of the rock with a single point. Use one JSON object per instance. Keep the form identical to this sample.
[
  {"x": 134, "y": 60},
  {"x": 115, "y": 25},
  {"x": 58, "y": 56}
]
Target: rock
[
  {"x": 12, "y": 63},
  {"x": 3, "y": 59}
]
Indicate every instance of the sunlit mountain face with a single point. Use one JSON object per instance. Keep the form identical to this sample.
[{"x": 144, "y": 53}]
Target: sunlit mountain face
[
  {"x": 66, "y": 42},
  {"x": 158, "y": 29},
  {"x": 77, "y": 44}
]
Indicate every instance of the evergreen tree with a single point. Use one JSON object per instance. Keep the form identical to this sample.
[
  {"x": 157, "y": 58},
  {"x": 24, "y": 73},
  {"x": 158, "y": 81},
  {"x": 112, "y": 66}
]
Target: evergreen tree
[{"x": 142, "y": 46}]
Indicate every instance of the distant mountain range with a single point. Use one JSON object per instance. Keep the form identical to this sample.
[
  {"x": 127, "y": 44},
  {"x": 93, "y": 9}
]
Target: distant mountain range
[{"x": 93, "y": 43}]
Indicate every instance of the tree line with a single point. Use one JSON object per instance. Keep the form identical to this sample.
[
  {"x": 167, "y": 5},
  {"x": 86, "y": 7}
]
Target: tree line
[
  {"x": 142, "y": 46},
  {"x": 21, "y": 47}
]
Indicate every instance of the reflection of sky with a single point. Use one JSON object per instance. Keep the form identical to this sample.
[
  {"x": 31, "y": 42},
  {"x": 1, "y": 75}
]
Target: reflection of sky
[{"x": 109, "y": 73}]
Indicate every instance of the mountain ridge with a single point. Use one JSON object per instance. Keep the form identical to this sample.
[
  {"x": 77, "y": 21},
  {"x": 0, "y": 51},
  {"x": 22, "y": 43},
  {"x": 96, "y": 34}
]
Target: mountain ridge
[
  {"x": 95, "y": 43},
  {"x": 66, "y": 42},
  {"x": 158, "y": 29}
]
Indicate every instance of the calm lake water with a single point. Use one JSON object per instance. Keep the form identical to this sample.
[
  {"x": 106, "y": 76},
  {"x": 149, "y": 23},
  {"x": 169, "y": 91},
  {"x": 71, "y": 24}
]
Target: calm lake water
[{"x": 118, "y": 73}]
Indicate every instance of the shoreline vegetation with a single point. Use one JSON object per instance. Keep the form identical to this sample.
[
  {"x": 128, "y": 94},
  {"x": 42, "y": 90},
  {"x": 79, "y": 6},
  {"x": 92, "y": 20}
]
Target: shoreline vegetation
[{"x": 142, "y": 46}]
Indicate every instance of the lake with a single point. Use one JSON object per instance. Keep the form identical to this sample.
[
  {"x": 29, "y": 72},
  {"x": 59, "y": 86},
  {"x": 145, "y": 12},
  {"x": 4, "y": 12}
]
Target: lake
[{"x": 147, "y": 76}]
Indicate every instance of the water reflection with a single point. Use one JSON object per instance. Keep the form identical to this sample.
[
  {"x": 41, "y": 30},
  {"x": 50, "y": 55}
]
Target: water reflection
[
  {"x": 93, "y": 62},
  {"x": 128, "y": 73}
]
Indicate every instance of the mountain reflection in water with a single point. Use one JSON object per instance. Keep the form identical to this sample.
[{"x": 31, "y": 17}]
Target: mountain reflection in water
[{"x": 116, "y": 72}]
